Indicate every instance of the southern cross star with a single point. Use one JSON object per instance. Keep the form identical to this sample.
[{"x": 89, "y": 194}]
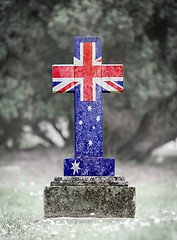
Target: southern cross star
[
  {"x": 98, "y": 118},
  {"x": 89, "y": 108},
  {"x": 80, "y": 122},
  {"x": 75, "y": 167},
  {"x": 90, "y": 143}
]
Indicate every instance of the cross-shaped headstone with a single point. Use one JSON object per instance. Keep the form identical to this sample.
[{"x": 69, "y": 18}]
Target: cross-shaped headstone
[{"x": 88, "y": 78}]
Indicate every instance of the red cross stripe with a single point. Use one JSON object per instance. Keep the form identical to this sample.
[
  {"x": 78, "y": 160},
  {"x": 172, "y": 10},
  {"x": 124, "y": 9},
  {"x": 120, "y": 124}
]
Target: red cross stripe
[
  {"x": 111, "y": 74},
  {"x": 87, "y": 72}
]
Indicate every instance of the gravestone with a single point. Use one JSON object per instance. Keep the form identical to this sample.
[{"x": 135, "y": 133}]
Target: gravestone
[{"x": 89, "y": 186}]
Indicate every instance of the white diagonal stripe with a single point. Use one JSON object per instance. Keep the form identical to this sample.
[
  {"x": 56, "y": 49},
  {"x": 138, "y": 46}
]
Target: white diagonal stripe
[
  {"x": 63, "y": 79},
  {"x": 106, "y": 86},
  {"x": 94, "y": 60},
  {"x": 112, "y": 79},
  {"x": 64, "y": 83},
  {"x": 78, "y": 62}
]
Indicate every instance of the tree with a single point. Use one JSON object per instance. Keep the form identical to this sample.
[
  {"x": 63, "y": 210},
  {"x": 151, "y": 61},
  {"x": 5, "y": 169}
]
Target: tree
[{"x": 141, "y": 35}]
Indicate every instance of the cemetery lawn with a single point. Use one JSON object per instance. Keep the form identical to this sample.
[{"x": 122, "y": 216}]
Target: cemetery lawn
[{"x": 21, "y": 207}]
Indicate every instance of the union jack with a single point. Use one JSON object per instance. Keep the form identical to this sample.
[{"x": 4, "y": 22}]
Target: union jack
[{"x": 87, "y": 72}]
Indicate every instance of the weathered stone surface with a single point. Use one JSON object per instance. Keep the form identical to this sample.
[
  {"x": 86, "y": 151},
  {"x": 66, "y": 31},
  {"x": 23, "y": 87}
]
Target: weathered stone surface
[
  {"x": 89, "y": 197},
  {"x": 84, "y": 181}
]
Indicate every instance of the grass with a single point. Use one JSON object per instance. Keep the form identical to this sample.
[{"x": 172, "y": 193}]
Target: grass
[
  {"x": 21, "y": 202},
  {"x": 21, "y": 216}
]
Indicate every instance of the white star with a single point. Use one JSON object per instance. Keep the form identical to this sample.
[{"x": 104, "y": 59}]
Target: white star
[
  {"x": 89, "y": 108},
  {"x": 98, "y": 118},
  {"x": 80, "y": 122},
  {"x": 75, "y": 167},
  {"x": 90, "y": 143},
  {"x": 93, "y": 127}
]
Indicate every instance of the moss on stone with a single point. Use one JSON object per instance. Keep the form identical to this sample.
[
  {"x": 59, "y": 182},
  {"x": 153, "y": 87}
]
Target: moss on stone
[{"x": 104, "y": 200}]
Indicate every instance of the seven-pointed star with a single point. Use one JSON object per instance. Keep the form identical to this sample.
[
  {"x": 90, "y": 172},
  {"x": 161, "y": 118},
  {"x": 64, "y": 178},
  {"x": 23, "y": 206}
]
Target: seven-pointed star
[{"x": 75, "y": 167}]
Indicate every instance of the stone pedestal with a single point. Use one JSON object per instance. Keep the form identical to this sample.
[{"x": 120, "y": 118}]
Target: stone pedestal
[{"x": 89, "y": 197}]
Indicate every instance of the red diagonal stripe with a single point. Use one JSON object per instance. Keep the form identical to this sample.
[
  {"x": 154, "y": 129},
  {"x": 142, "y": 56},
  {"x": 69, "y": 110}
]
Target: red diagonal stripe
[
  {"x": 63, "y": 71},
  {"x": 112, "y": 70},
  {"x": 64, "y": 89},
  {"x": 99, "y": 60},
  {"x": 114, "y": 86}
]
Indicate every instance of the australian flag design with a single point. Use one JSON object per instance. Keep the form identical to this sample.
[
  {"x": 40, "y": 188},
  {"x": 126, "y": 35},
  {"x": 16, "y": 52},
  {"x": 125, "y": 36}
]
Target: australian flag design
[{"x": 88, "y": 78}]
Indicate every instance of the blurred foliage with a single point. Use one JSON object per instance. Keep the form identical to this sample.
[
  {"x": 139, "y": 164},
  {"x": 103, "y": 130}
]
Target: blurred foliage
[{"x": 36, "y": 34}]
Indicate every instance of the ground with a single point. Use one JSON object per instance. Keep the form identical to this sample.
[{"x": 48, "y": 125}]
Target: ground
[{"x": 24, "y": 174}]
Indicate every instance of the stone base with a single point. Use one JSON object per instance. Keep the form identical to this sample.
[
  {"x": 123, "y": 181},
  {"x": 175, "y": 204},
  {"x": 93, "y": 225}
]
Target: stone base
[{"x": 89, "y": 197}]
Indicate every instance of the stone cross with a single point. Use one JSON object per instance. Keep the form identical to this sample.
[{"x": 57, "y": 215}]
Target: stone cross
[{"x": 88, "y": 78}]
